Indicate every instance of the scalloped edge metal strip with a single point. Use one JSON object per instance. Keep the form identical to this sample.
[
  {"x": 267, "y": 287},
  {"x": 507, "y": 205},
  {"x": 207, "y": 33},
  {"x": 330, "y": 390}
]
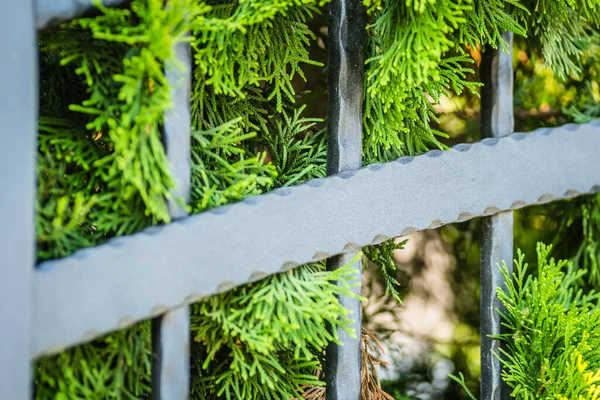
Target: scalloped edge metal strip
[{"x": 128, "y": 279}]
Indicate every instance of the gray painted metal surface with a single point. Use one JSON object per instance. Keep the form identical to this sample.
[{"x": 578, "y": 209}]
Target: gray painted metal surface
[
  {"x": 344, "y": 140},
  {"x": 497, "y": 120},
  {"x": 346, "y": 30},
  {"x": 104, "y": 288},
  {"x": 53, "y": 12},
  {"x": 171, "y": 331},
  {"x": 159, "y": 271},
  {"x": 342, "y": 362},
  {"x": 177, "y": 135},
  {"x": 496, "y": 246},
  {"x": 171, "y": 343},
  {"x": 18, "y": 129}
]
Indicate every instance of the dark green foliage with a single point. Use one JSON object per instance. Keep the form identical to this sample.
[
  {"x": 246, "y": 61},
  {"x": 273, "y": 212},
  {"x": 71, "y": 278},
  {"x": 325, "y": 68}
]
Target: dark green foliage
[
  {"x": 242, "y": 44},
  {"x": 486, "y": 20},
  {"x": 588, "y": 254},
  {"x": 563, "y": 29},
  {"x": 297, "y": 152}
]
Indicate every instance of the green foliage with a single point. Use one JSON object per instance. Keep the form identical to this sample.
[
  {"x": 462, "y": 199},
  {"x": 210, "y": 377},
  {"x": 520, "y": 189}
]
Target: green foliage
[
  {"x": 102, "y": 169},
  {"x": 460, "y": 379},
  {"x": 382, "y": 255},
  {"x": 221, "y": 171},
  {"x": 264, "y": 340},
  {"x": 417, "y": 54},
  {"x": 588, "y": 254},
  {"x": 562, "y": 28},
  {"x": 116, "y": 367},
  {"x": 243, "y": 44},
  {"x": 553, "y": 341},
  {"x": 486, "y": 20},
  {"x": 297, "y": 152},
  {"x": 103, "y": 172}
]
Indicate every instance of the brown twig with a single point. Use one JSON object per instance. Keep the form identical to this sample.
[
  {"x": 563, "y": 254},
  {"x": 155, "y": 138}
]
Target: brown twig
[
  {"x": 370, "y": 383},
  {"x": 371, "y": 389}
]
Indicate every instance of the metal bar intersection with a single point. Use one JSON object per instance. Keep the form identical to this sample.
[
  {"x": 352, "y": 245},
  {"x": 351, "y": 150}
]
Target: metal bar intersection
[
  {"x": 171, "y": 331},
  {"x": 497, "y": 230},
  {"x": 344, "y": 140}
]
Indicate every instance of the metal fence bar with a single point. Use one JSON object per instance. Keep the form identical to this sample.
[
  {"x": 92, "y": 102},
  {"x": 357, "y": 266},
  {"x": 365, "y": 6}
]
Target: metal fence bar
[
  {"x": 171, "y": 331},
  {"x": 497, "y": 231},
  {"x": 18, "y": 127},
  {"x": 130, "y": 278},
  {"x": 171, "y": 346},
  {"x": 342, "y": 363},
  {"x": 344, "y": 134}
]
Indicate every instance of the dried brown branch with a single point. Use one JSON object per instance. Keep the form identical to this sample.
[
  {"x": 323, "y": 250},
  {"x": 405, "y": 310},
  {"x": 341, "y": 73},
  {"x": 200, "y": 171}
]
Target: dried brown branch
[
  {"x": 371, "y": 389},
  {"x": 369, "y": 379}
]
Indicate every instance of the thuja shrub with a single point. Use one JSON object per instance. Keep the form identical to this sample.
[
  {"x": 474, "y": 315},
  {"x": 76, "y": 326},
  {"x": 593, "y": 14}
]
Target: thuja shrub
[
  {"x": 551, "y": 344},
  {"x": 102, "y": 168},
  {"x": 553, "y": 340}
]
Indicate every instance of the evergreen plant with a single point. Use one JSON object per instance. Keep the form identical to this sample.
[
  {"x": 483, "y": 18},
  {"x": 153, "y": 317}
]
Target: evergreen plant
[{"x": 103, "y": 172}]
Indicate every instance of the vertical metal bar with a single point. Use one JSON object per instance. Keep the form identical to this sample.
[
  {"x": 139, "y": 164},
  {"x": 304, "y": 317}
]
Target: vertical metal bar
[
  {"x": 497, "y": 241},
  {"x": 171, "y": 363},
  {"x": 171, "y": 331},
  {"x": 346, "y": 43},
  {"x": 18, "y": 129}
]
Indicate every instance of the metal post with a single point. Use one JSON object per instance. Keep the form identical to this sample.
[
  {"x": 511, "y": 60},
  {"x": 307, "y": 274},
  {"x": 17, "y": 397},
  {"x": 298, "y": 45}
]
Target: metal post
[
  {"x": 346, "y": 42},
  {"x": 18, "y": 130},
  {"x": 171, "y": 331},
  {"x": 497, "y": 240}
]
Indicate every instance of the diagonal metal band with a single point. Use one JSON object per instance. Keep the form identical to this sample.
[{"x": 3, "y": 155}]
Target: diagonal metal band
[{"x": 101, "y": 289}]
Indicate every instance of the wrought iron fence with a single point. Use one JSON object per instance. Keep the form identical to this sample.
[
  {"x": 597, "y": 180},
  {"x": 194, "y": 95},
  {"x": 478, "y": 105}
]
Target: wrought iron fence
[{"x": 157, "y": 273}]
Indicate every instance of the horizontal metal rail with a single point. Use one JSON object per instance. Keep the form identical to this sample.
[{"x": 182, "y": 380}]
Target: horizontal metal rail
[{"x": 101, "y": 289}]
